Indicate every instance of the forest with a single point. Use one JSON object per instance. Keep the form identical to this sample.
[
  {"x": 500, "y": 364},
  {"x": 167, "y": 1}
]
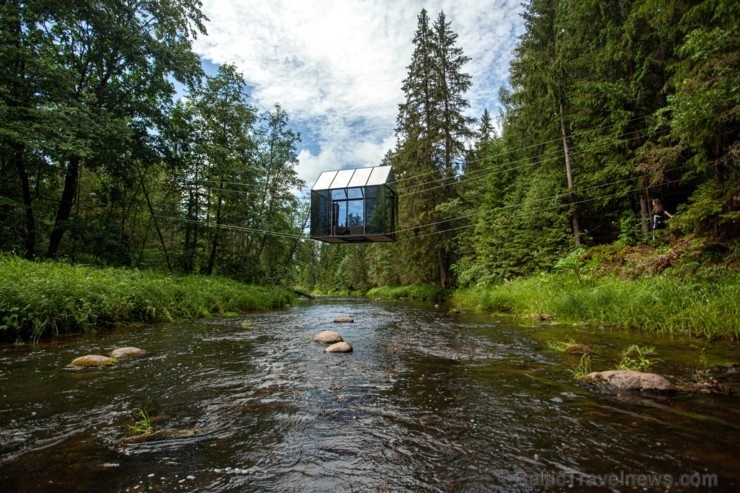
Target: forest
[{"x": 610, "y": 104}]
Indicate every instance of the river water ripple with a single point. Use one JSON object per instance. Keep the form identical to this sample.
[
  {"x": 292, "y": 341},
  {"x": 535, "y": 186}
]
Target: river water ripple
[{"x": 426, "y": 402}]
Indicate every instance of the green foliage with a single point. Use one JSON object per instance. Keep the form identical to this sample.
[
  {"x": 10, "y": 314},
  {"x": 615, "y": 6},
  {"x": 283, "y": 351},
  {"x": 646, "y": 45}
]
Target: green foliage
[
  {"x": 418, "y": 292},
  {"x": 582, "y": 369},
  {"x": 643, "y": 95},
  {"x": 57, "y": 298},
  {"x": 560, "y": 346},
  {"x": 572, "y": 264},
  {"x": 431, "y": 130},
  {"x": 629, "y": 228},
  {"x": 144, "y": 425},
  {"x": 637, "y": 358},
  {"x": 705, "y": 308}
]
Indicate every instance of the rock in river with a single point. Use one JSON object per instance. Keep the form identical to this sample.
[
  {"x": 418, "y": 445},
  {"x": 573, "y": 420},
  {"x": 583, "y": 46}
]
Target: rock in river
[
  {"x": 631, "y": 380},
  {"x": 344, "y": 320},
  {"x": 91, "y": 360},
  {"x": 327, "y": 337},
  {"x": 577, "y": 349},
  {"x": 339, "y": 347},
  {"x": 126, "y": 352}
]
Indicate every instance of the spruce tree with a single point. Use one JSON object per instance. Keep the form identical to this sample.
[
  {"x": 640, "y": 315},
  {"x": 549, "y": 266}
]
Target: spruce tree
[{"x": 432, "y": 130}]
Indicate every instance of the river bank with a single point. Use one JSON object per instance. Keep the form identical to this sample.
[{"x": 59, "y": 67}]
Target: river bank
[
  {"x": 667, "y": 290},
  {"x": 705, "y": 308},
  {"x": 41, "y": 299}
]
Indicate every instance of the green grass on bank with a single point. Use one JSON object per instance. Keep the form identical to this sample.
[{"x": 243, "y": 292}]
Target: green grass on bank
[
  {"x": 698, "y": 307},
  {"x": 39, "y": 299},
  {"x": 418, "y": 292}
]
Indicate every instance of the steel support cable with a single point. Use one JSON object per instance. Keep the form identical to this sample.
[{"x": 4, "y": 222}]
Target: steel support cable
[
  {"x": 555, "y": 207},
  {"x": 559, "y": 139},
  {"x": 466, "y": 216},
  {"x": 400, "y": 180},
  {"x": 468, "y": 177},
  {"x": 233, "y": 227},
  {"x": 543, "y": 199}
]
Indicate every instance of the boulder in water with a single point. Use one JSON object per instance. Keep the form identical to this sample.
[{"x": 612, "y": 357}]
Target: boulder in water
[
  {"x": 344, "y": 320},
  {"x": 127, "y": 352},
  {"x": 631, "y": 380},
  {"x": 339, "y": 347},
  {"x": 91, "y": 360},
  {"x": 327, "y": 337}
]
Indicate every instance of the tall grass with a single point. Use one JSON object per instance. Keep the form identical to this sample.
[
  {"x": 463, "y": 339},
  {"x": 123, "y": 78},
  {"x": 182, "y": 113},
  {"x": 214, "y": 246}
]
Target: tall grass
[
  {"x": 38, "y": 299},
  {"x": 419, "y": 292},
  {"x": 697, "y": 307}
]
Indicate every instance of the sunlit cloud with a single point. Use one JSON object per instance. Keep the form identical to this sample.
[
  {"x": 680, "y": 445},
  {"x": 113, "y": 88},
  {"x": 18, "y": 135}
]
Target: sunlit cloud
[{"x": 336, "y": 66}]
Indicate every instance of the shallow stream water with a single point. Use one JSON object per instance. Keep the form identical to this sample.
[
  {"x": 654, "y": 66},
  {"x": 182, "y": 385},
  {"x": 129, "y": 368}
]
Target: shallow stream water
[{"x": 428, "y": 401}]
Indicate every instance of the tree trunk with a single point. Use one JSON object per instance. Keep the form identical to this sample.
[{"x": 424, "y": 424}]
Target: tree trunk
[
  {"x": 20, "y": 166},
  {"x": 442, "y": 264},
  {"x": 289, "y": 260},
  {"x": 569, "y": 174},
  {"x": 214, "y": 244},
  {"x": 644, "y": 207},
  {"x": 71, "y": 180},
  {"x": 154, "y": 218}
]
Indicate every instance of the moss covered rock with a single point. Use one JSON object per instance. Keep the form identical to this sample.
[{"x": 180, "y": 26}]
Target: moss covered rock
[{"x": 631, "y": 380}]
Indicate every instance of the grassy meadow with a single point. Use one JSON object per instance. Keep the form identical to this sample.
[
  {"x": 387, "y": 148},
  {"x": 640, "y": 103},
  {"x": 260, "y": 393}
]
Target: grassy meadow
[{"x": 40, "y": 299}]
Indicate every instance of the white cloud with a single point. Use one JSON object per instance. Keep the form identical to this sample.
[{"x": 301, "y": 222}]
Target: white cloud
[{"x": 336, "y": 66}]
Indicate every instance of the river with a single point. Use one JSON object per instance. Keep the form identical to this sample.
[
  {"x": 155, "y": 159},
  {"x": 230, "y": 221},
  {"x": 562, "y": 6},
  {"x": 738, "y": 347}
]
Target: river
[{"x": 428, "y": 401}]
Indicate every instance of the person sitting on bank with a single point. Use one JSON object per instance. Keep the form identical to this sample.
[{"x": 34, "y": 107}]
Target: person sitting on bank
[{"x": 659, "y": 214}]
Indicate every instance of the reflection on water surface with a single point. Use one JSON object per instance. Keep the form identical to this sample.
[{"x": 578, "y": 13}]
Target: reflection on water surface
[{"x": 426, "y": 402}]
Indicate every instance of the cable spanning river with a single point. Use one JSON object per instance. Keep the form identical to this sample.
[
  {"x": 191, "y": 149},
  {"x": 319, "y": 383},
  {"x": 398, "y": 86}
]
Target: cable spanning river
[{"x": 427, "y": 401}]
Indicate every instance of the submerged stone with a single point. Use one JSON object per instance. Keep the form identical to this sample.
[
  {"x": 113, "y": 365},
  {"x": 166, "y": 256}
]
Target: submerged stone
[
  {"x": 344, "y": 320},
  {"x": 126, "y": 352},
  {"x": 631, "y": 380},
  {"x": 577, "y": 349},
  {"x": 327, "y": 337},
  {"x": 339, "y": 347},
  {"x": 91, "y": 360}
]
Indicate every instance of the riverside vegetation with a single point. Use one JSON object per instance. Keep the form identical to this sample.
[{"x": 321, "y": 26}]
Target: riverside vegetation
[
  {"x": 620, "y": 287},
  {"x": 56, "y": 298}
]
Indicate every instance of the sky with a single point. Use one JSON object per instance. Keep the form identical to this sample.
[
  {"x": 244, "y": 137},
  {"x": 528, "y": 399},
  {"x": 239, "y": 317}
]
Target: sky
[{"x": 337, "y": 66}]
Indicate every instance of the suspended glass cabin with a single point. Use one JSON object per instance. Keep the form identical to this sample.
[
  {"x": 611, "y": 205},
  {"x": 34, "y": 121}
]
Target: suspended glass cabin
[{"x": 354, "y": 206}]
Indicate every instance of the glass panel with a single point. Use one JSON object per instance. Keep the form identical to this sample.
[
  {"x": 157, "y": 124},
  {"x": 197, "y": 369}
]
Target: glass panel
[
  {"x": 379, "y": 176},
  {"x": 342, "y": 178},
  {"x": 320, "y": 220},
  {"x": 324, "y": 181},
  {"x": 340, "y": 217},
  {"x": 373, "y": 212},
  {"x": 359, "y": 179},
  {"x": 354, "y": 193},
  {"x": 340, "y": 194},
  {"x": 391, "y": 213},
  {"x": 356, "y": 216}
]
